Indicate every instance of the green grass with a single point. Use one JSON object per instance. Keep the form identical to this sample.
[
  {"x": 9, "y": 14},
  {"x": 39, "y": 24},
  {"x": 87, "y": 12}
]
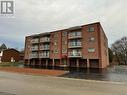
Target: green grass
[{"x": 8, "y": 64}]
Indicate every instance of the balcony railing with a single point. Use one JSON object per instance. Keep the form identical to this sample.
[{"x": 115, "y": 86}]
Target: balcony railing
[
  {"x": 44, "y": 48},
  {"x": 33, "y": 55},
  {"x": 74, "y": 35},
  {"x": 34, "y": 48},
  {"x": 75, "y": 45},
  {"x": 45, "y": 39},
  {"x": 35, "y": 41},
  {"x": 44, "y": 55},
  {"x": 74, "y": 54}
]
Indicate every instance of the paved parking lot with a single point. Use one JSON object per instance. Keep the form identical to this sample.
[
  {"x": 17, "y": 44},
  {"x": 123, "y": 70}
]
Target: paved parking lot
[{"x": 115, "y": 74}]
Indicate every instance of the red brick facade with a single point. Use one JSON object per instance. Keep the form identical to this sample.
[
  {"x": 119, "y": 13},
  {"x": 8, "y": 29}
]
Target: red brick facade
[
  {"x": 82, "y": 46},
  {"x": 10, "y": 55}
]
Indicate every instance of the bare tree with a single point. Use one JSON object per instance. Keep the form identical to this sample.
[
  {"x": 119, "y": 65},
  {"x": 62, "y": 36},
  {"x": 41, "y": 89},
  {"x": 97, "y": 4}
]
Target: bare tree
[{"x": 120, "y": 50}]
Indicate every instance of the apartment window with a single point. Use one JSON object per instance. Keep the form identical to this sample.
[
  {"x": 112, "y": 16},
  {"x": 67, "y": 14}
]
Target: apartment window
[
  {"x": 70, "y": 34},
  {"x": 91, "y": 39},
  {"x": 55, "y": 50},
  {"x": 90, "y": 50},
  {"x": 64, "y": 42},
  {"x": 55, "y": 43},
  {"x": 78, "y": 33},
  {"x": 91, "y": 29},
  {"x": 64, "y": 34},
  {"x": 55, "y": 35},
  {"x": 64, "y": 50}
]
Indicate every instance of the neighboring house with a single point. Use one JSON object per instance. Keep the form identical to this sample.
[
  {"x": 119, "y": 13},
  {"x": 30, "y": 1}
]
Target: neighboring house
[
  {"x": 83, "y": 46},
  {"x": 3, "y": 47},
  {"x": 8, "y": 55}
]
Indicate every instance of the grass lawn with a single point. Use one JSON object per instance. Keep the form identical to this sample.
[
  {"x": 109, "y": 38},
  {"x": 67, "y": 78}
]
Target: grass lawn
[{"x": 8, "y": 64}]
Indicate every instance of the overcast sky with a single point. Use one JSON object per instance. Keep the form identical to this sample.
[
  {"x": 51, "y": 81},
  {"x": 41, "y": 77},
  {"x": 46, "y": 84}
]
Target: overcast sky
[{"x": 38, "y": 16}]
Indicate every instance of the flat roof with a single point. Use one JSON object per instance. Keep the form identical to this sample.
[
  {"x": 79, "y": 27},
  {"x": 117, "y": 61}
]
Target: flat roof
[{"x": 70, "y": 28}]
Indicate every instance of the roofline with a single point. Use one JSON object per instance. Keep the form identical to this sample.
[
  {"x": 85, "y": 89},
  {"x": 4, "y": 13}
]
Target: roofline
[
  {"x": 11, "y": 49},
  {"x": 63, "y": 29}
]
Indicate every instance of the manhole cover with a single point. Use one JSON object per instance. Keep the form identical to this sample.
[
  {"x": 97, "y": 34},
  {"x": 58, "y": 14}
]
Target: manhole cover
[{"x": 6, "y": 93}]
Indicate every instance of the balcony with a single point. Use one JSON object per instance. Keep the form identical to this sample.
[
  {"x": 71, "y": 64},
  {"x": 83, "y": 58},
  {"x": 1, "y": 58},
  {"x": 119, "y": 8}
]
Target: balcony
[
  {"x": 34, "y": 55},
  {"x": 45, "y": 39},
  {"x": 45, "y": 47},
  {"x": 34, "y": 48},
  {"x": 44, "y": 55},
  {"x": 75, "y": 45},
  {"x": 74, "y": 35},
  {"x": 75, "y": 54},
  {"x": 33, "y": 41}
]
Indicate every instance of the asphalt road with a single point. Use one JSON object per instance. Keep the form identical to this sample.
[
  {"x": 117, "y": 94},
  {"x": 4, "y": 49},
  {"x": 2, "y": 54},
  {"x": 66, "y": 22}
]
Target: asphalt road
[{"x": 19, "y": 84}]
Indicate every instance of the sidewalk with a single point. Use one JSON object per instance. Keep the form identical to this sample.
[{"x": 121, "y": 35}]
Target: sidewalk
[{"x": 33, "y": 71}]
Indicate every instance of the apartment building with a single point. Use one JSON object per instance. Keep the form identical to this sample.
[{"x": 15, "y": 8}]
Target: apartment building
[{"x": 83, "y": 46}]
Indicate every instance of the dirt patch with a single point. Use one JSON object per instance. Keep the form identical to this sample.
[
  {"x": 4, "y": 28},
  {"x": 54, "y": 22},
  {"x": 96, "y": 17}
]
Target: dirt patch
[{"x": 33, "y": 71}]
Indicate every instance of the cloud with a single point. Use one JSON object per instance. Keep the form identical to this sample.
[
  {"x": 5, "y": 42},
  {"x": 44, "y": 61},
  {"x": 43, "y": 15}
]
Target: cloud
[{"x": 40, "y": 16}]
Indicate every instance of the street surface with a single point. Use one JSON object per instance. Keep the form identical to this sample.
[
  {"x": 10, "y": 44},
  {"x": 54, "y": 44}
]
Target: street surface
[{"x": 20, "y": 84}]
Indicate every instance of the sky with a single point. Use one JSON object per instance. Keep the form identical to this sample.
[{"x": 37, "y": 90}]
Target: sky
[{"x": 38, "y": 16}]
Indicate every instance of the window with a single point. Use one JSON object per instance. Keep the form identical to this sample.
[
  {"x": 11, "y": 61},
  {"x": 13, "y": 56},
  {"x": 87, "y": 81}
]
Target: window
[
  {"x": 78, "y": 33},
  {"x": 91, "y": 39},
  {"x": 55, "y": 43},
  {"x": 90, "y": 29},
  {"x": 55, "y": 50},
  {"x": 64, "y": 42},
  {"x": 64, "y": 34},
  {"x": 56, "y": 36},
  {"x": 91, "y": 50},
  {"x": 64, "y": 50}
]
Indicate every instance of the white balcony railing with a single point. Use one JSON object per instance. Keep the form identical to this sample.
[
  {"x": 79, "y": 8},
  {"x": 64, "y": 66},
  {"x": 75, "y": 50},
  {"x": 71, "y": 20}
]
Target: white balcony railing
[
  {"x": 44, "y": 55},
  {"x": 75, "y": 35},
  {"x": 45, "y": 39},
  {"x": 75, "y": 45},
  {"x": 74, "y": 54},
  {"x": 34, "y": 48},
  {"x": 34, "y": 55},
  {"x": 35, "y": 41},
  {"x": 45, "y": 47}
]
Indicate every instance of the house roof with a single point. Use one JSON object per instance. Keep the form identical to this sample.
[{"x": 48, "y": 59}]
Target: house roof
[
  {"x": 3, "y": 47},
  {"x": 11, "y": 49}
]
